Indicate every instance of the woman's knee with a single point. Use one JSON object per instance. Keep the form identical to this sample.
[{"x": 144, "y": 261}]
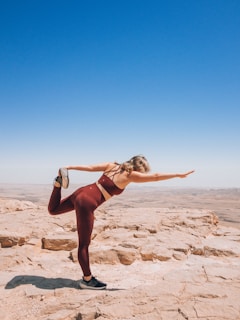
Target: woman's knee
[
  {"x": 84, "y": 244},
  {"x": 51, "y": 211}
]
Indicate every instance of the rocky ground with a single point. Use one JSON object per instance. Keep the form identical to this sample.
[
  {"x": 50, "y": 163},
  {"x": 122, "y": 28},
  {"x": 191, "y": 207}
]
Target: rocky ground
[{"x": 162, "y": 258}]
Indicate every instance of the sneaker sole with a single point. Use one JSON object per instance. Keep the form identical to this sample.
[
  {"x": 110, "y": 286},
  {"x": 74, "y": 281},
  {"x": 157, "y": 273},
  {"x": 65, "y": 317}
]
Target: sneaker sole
[{"x": 65, "y": 179}]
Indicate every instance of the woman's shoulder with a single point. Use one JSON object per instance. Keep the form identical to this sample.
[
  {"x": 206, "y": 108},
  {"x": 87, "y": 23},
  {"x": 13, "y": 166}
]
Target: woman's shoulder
[
  {"x": 111, "y": 165},
  {"x": 113, "y": 169}
]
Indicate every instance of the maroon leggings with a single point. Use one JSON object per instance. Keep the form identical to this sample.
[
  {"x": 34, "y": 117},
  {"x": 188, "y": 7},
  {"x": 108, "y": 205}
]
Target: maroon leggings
[{"x": 84, "y": 201}]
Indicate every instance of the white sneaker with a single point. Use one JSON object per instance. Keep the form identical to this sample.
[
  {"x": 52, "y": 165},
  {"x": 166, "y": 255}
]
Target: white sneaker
[{"x": 64, "y": 175}]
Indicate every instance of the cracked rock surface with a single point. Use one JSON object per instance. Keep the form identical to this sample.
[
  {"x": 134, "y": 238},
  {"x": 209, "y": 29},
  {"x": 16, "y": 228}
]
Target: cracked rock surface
[{"x": 161, "y": 259}]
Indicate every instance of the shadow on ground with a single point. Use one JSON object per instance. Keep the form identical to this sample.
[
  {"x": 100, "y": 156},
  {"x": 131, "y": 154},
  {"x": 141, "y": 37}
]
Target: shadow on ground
[
  {"x": 42, "y": 282},
  {"x": 46, "y": 283}
]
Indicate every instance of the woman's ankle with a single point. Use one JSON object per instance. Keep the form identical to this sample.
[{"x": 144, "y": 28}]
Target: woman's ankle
[
  {"x": 57, "y": 182},
  {"x": 87, "y": 278}
]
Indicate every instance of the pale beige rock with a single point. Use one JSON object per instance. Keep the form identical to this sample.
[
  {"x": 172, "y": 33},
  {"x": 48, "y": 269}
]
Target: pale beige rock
[
  {"x": 161, "y": 261},
  {"x": 126, "y": 256},
  {"x": 7, "y": 241},
  {"x": 141, "y": 234},
  {"x": 103, "y": 254},
  {"x": 110, "y": 255},
  {"x": 60, "y": 242},
  {"x": 16, "y": 205},
  {"x": 179, "y": 255}
]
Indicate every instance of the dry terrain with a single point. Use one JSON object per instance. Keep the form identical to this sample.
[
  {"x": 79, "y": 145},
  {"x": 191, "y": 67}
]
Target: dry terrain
[{"x": 166, "y": 254}]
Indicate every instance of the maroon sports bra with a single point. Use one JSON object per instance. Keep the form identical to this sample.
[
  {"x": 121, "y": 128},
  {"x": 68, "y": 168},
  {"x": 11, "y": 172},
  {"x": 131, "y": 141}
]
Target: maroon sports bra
[{"x": 109, "y": 185}]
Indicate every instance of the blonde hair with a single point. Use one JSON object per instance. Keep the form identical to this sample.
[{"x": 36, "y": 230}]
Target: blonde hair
[{"x": 137, "y": 163}]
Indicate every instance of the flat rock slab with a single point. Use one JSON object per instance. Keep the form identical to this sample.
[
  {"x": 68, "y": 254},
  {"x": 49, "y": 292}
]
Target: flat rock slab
[{"x": 159, "y": 263}]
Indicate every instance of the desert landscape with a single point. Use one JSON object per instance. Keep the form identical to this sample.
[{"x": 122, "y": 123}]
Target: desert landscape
[{"x": 165, "y": 253}]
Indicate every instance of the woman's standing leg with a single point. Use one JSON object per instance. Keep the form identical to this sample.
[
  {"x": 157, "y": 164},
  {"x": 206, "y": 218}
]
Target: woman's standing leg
[
  {"x": 86, "y": 201},
  {"x": 85, "y": 221}
]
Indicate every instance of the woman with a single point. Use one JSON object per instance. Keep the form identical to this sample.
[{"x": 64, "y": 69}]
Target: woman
[{"x": 86, "y": 199}]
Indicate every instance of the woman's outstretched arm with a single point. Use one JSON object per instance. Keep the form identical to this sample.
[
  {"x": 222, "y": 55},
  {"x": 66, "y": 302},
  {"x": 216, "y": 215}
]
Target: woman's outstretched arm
[
  {"x": 150, "y": 177},
  {"x": 94, "y": 167}
]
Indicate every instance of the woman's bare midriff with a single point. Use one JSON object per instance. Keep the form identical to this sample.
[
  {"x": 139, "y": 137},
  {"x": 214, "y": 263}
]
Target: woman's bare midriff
[{"x": 105, "y": 194}]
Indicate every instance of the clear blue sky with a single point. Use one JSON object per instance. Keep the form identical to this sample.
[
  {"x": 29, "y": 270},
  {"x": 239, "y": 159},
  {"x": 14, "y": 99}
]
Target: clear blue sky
[{"x": 94, "y": 81}]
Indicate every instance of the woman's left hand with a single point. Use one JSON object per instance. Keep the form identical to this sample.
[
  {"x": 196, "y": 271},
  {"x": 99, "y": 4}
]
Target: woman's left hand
[{"x": 184, "y": 175}]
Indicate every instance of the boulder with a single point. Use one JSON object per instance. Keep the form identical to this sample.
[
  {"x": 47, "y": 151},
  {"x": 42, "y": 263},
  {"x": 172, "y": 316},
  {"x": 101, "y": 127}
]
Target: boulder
[{"x": 55, "y": 243}]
